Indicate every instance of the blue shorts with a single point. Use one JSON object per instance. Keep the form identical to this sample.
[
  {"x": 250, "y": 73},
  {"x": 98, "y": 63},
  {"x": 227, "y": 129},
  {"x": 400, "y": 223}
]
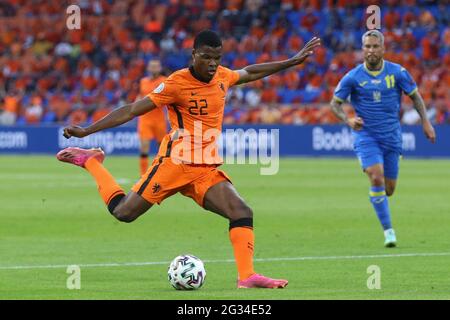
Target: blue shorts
[{"x": 370, "y": 152}]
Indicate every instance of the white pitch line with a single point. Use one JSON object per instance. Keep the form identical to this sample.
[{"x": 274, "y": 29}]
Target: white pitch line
[{"x": 134, "y": 264}]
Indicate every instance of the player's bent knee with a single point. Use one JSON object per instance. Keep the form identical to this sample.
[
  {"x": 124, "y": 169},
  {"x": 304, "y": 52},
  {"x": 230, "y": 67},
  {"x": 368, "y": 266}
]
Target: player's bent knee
[
  {"x": 238, "y": 211},
  {"x": 248, "y": 212},
  {"x": 128, "y": 208},
  {"x": 126, "y": 217},
  {"x": 123, "y": 213},
  {"x": 118, "y": 210},
  {"x": 377, "y": 180},
  {"x": 241, "y": 211},
  {"x": 245, "y": 212}
]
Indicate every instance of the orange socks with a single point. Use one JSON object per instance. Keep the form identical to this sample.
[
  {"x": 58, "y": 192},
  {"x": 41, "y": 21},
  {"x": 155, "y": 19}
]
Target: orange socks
[
  {"x": 107, "y": 186},
  {"x": 242, "y": 239},
  {"x": 143, "y": 163}
]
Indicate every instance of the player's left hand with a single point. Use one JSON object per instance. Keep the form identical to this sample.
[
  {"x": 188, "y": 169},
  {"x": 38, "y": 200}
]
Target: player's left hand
[
  {"x": 307, "y": 50},
  {"x": 429, "y": 131}
]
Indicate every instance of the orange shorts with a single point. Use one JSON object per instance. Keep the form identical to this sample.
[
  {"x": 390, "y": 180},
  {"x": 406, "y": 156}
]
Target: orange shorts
[
  {"x": 152, "y": 126},
  {"x": 165, "y": 178}
]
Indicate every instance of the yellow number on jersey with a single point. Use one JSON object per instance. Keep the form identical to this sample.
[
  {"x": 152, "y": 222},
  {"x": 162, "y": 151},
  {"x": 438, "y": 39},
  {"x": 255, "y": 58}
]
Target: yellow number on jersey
[{"x": 390, "y": 81}]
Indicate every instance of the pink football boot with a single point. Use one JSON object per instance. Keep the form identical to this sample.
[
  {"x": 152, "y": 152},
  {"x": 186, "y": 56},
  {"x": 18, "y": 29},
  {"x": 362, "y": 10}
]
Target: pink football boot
[
  {"x": 260, "y": 281},
  {"x": 78, "y": 156}
]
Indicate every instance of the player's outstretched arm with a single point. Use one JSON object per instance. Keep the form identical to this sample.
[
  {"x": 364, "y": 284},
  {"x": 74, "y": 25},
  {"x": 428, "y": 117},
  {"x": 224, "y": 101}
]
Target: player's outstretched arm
[
  {"x": 112, "y": 119},
  {"x": 258, "y": 71},
  {"x": 419, "y": 105},
  {"x": 355, "y": 123}
]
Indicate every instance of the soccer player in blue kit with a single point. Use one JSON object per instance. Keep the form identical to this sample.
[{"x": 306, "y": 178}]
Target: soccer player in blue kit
[{"x": 375, "y": 89}]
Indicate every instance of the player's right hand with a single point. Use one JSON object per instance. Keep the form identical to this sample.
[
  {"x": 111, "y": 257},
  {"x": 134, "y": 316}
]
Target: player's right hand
[
  {"x": 74, "y": 131},
  {"x": 355, "y": 123}
]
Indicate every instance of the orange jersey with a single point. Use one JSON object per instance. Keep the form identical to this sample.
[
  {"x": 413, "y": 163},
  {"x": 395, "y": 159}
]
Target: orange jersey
[
  {"x": 146, "y": 86},
  {"x": 195, "y": 110},
  {"x": 151, "y": 125}
]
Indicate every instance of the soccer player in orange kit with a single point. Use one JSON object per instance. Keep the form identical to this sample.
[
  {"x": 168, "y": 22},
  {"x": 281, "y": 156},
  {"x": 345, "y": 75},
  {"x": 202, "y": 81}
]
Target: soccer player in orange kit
[
  {"x": 151, "y": 125},
  {"x": 194, "y": 95}
]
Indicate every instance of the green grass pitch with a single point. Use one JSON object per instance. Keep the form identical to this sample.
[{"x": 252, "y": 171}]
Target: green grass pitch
[{"x": 314, "y": 226}]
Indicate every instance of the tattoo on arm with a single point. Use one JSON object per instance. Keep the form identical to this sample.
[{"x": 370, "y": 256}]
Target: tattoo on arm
[
  {"x": 419, "y": 105},
  {"x": 336, "y": 107}
]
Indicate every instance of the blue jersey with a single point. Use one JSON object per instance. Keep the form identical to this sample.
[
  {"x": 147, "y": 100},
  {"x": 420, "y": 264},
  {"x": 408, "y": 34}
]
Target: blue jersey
[{"x": 376, "y": 97}]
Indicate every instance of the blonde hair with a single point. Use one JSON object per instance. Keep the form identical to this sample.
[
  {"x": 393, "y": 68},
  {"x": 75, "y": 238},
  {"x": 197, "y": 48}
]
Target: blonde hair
[{"x": 373, "y": 33}]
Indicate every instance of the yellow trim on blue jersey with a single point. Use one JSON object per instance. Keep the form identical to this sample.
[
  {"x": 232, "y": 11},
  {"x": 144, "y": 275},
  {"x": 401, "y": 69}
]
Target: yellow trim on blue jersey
[
  {"x": 377, "y": 194},
  {"x": 374, "y": 73},
  {"x": 412, "y": 92},
  {"x": 338, "y": 99}
]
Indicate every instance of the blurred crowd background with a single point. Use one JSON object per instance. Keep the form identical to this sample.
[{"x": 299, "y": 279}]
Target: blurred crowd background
[{"x": 49, "y": 74}]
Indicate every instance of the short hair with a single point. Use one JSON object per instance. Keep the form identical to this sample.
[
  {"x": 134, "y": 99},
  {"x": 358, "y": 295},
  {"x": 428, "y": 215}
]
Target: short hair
[
  {"x": 373, "y": 33},
  {"x": 208, "y": 38}
]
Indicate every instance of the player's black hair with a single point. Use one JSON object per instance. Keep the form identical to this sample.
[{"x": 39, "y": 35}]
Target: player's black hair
[{"x": 208, "y": 38}]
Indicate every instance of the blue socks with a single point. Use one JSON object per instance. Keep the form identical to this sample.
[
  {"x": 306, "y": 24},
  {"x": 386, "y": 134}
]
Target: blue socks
[{"x": 380, "y": 203}]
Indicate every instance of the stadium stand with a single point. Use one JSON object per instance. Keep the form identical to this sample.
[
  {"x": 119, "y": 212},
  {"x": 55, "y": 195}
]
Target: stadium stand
[{"x": 49, "y": 74}]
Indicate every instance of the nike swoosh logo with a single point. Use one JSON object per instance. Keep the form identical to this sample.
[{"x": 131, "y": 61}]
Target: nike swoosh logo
[
  {"x": 362, "y": 84},
  {"x": 194, "y": 93}
]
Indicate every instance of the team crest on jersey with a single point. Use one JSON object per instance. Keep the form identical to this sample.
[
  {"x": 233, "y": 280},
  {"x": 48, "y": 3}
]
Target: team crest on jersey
[
  {"x": 221, "y": 86},
  {"x": 159, "y": 88},
  {"x": 156, "y": 187},
  {"x": 377, "y": 96}
]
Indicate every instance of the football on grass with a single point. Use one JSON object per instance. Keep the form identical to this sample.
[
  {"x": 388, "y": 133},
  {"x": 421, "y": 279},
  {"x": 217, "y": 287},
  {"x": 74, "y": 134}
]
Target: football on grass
[{"x": 186, "y": 272}]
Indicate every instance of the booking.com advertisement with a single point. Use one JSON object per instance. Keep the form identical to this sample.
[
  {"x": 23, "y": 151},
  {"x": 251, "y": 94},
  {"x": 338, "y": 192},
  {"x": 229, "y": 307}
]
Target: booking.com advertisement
[{"x": 235, "y": 141}]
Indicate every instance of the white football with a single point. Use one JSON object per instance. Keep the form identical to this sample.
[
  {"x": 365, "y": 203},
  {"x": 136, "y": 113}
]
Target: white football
[{"x": 186, "y": 272}]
